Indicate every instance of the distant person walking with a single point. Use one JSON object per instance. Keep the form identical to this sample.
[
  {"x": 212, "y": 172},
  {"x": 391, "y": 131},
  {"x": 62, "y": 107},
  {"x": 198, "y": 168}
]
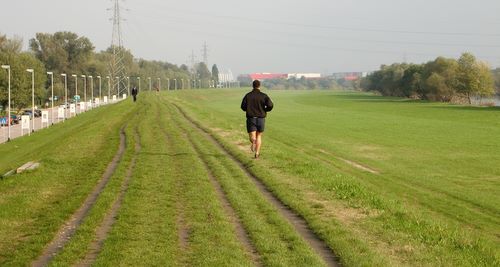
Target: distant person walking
[
  {"x": 256, "y": 105},
  {"x": 134, "y": 93}
]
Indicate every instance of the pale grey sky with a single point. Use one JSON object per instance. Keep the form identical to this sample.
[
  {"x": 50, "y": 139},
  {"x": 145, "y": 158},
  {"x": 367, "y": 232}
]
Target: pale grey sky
[{"x": 275, "y": 35}]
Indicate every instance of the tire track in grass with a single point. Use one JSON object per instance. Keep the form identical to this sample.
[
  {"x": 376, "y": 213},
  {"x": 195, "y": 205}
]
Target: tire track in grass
[
  {"x": 68, "y": 229},
  {"x": 110, "y": 218},
  {"x": 299, "y": 223},
  {"x": 241, "y": 233}
]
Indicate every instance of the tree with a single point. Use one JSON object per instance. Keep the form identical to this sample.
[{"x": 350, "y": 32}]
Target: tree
[
  {"x": 486, "y": 82},
  {"x": 215, "y": 74},
  {"x": 62, "y": 52},
  {"x": 468, "y": 73}
]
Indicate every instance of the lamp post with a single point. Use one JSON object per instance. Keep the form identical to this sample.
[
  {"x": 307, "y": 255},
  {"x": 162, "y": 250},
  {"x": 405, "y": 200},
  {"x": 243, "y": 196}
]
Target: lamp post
[
  {"x": 118, "y": 86},
  {"x": 84, "y": 88},
  {"x": 65, "y": 94},
  {"x": 76, "y": 91},
  {"x": 7, "y": 67},
  {"x": 99, "y": 77},
  {"x": 128, "y": 85},
  {"x": 149, "y": 80},
  {"x": 159, "y": 84},
  {"x": 91, "y": 91},
  {"x": 52, "y": 98},
  {"x": 109, "y": 87},
  {"x": 32, "y": 98}
]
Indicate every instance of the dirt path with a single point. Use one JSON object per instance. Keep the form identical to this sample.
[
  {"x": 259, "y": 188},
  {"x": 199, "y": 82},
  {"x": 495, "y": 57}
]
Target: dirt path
[
  {"x": 109, "y": 219},
  {"x": 68, "y": 229},
  {"x": 299, "y": 223},
  {"x": 229, "y": 210}
]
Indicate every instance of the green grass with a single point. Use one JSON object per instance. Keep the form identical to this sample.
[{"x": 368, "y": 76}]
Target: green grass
[
  {"x": 435, "y": 200},
  {"x": 35, "y": 204}
]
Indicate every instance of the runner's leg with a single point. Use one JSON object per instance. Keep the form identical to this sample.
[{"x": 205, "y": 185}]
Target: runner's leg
[
  {"x": 258, "y": 143},
  {"x": 252, "y": 138}
]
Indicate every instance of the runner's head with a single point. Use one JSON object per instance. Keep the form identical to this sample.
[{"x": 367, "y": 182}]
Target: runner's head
[{"x": 256, "y": 84}]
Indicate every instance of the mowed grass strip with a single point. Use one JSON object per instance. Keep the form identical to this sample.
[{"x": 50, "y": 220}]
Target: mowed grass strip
[
  {"x": 274, "y": 238},
  {"x": 76, "y": 250},
  {"x": 144, "y": 233},
  {"x": 73, "y": 156},
  {"x": 210, "y": 235},
  {"x": 430, "y": 204}
]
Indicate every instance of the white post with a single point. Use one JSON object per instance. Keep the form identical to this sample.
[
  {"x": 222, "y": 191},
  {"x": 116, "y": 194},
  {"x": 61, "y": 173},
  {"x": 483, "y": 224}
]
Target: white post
[
  {"x": 159, "y": 84},
  {"x": 65, "y": 94},
  {"x": 149, "y": 79},
  {"x": 128, "y": 85},
  {"x": 32, "y": 98},
  {"x": 7, "y": 67},
  {"x": 91, "y": 91},
  {"x": 139, "y": 79},
  {"x": 84, "y": 88},
  {"x": 76, "y": 91},
  {"x": 118, "y": 85},
  {"x": 109, "y": 87},
  {"x": 99, "y": 77},
  {"x": 52, "y": 98}
]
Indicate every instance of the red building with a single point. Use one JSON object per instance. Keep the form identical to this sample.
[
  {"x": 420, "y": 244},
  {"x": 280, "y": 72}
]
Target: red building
[{"x": 267, "y": 76}]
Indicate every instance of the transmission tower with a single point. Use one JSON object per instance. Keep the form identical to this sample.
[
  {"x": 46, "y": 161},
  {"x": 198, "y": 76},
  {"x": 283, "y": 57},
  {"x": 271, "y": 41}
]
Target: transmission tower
[
  {"x": 116, "y": 66},
  {"x": 204, "y": 51}
]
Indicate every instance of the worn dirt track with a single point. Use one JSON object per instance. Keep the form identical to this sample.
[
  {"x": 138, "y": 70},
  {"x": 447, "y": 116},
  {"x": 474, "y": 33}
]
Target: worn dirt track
[
  {"x": 68, "y": 229},
  {"x": 299, "y": 223},
  {"x": 109, "y": 219}
]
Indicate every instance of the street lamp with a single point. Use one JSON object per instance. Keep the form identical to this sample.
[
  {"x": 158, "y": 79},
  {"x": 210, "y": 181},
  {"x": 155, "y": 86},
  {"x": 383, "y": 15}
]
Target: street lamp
[
  {"x": 128, "y": 84},
  {"x": 65, "y": 94},
  {"x": 117, "y": 86},
  {"x": 7, "y": 67},
  {"x": 159, "y": 84},
  {"x": 91, "y": 91},
  {"x": 76, "y": 91},
  {"x": 99, "y": 77},
  {"x": 84, "y": 88},
  {"x": 52, "y": 98},
  {"x": 149, "y": 79},
  {"x": 32, "y": 98},
  {"x": 109, "y": 87}
]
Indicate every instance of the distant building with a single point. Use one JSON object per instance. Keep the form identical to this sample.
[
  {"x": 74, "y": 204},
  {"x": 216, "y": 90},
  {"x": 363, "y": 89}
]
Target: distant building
[
  {"x": 267, "y": 76},
  {"x": 349, "y": 76},
  {"x": 270, "y": 76},
  {"x": 304, "y": 75}
]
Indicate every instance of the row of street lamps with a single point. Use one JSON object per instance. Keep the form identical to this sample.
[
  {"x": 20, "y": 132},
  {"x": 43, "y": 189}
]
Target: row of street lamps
[{"x": 7, "y": 67}]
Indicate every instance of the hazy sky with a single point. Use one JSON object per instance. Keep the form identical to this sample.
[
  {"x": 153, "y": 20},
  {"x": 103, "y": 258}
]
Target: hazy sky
[{"x": 275, "y": 35}]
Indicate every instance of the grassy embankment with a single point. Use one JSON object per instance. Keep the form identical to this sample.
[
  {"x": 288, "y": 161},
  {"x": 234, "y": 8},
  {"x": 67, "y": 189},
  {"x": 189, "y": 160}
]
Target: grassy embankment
[
  {"x": 73, "y": 156},
  {"x": 432, "y": 197}
]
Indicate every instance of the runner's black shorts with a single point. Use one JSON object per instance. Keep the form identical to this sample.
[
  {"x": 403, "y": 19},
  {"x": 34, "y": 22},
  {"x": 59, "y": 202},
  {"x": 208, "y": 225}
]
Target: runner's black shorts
[{"x": 255, "y": 124}]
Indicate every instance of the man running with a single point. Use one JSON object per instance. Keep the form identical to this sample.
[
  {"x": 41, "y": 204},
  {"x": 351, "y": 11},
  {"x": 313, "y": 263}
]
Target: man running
[
  {"x": 134, "y": 93},
  {"x": 256, "y": 105}
]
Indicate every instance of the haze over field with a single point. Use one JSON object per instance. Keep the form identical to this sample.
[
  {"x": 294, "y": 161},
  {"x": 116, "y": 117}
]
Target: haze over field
[{"x": 275, "y": 36}]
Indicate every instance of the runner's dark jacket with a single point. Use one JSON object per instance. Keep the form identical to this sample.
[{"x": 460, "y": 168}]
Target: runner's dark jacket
[{"x": 256, "y": 104}]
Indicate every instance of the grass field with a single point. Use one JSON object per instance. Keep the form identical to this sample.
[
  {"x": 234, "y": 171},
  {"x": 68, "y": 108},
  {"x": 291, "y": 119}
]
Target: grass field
[{"x": 381, "y": 181}]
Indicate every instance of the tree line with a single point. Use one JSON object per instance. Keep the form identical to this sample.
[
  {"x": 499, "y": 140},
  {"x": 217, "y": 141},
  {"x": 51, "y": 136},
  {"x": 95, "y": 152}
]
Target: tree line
[
  {"x": 301, "y": 83},
  {"x": 66, "y": 52},
  {"x": 443, "y": 79}
]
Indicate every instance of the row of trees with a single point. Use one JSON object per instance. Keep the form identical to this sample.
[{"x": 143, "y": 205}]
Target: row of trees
[
  {"x": 66, "y": 52},
  {"x": 298, "y": 84},
  {"x": 443, "y": 79}
]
